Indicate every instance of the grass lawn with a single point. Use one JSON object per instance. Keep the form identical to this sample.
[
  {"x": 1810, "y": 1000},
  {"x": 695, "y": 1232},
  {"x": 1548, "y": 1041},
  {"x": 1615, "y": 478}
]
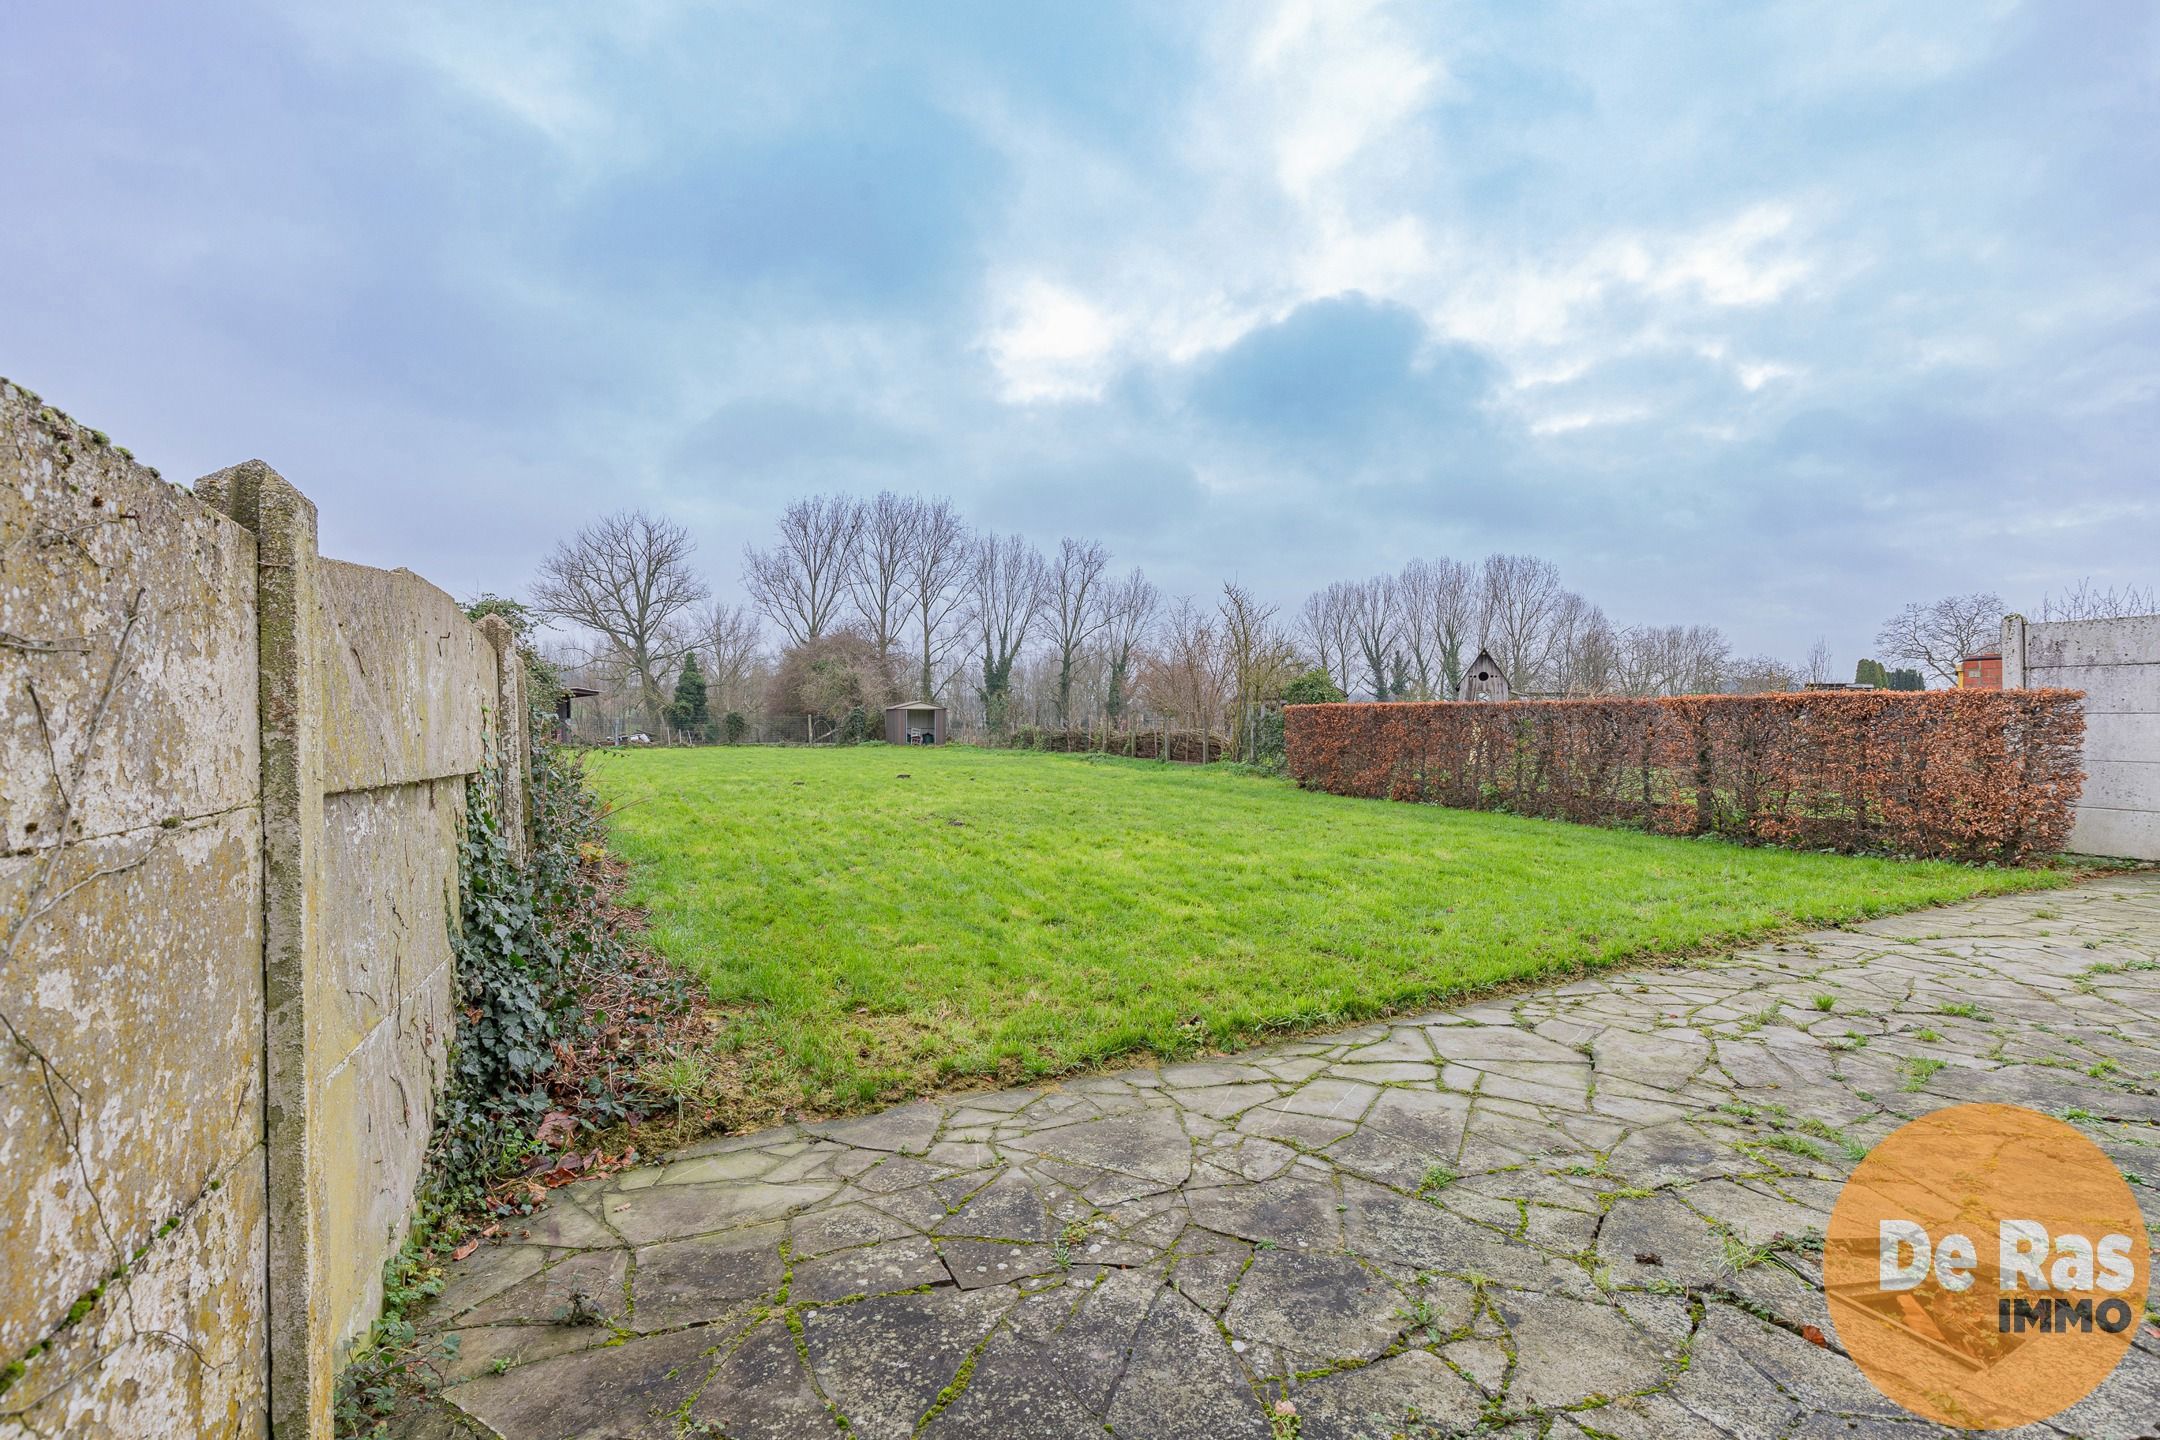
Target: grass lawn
[{"x": 878, "y": 921}]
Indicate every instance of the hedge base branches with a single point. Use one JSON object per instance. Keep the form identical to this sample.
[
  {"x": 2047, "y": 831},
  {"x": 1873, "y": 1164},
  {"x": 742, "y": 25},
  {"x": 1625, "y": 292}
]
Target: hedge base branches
[
  {"x": 1189, "y": 747},
  {"x": 1973, "y": 775}
]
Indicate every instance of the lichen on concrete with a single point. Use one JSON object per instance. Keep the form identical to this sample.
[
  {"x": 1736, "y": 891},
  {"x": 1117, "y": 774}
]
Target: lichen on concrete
[{"x": 232, "y": 775}]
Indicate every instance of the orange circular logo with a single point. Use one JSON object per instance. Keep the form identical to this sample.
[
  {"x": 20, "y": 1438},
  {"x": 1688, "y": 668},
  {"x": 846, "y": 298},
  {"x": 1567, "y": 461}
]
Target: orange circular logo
[{"x": 1986, "y": 1266}]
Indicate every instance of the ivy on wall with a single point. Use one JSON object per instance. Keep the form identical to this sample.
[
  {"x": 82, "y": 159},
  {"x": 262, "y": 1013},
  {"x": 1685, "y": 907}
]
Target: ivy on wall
[{"x": 536, "y": 1059}]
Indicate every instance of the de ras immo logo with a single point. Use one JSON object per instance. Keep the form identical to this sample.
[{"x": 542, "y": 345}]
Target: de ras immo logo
[{"x": 1987, "y": 1266}]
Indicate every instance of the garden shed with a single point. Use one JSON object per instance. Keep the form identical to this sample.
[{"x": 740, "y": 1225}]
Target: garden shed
[{"x": 915, "y": 722}]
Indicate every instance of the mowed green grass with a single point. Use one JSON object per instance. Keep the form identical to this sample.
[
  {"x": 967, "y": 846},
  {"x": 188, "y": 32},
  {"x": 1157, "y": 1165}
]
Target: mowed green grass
[{"x": 879, "y": 920}]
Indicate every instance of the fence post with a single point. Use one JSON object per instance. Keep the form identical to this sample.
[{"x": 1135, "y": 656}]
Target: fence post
[
  {"x": 2013, "y": 652},
  {"x": 513, "y": 734},
  {"x": 289, "y": 683}
]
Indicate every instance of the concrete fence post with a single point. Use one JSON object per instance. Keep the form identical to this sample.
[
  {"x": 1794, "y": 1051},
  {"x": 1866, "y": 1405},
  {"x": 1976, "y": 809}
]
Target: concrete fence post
[
  {"x": 513, "y": 734},
  {"x": 289, "y": 621},
  {"x": 2013, "y": 652}
]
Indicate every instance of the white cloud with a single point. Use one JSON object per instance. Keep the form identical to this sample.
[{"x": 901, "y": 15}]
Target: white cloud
[
  {"x": 1753, "y": 376},
  {"x": 1725, "y": 263},
  {"x": 1568, "y": 421},
  {"x": 1332, "y": 79},
  {"x": 1051, "y": 343}
]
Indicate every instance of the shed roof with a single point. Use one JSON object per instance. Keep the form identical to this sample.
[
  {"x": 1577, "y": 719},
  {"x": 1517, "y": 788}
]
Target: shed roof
[{"x": 916, "y": 705}]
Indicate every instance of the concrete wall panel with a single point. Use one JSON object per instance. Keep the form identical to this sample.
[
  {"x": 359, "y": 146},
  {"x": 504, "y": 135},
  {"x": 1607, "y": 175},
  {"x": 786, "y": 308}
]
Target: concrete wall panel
[
  {"x": 122, "y": 1371},
  {"x": 2122, "y": 784},
  {"x": 2109, "y": 690},
  {"x": 2123, "y": 733},
  {"x": 390, "y": 901},
  {"x": 2082, "y": 644},
  {"x": 131, "y": 1119},
  {"x": 94, "y": 539},
  {"x": 2135, "y": 833},
  {"x": 2117, "y": 664},
  {"x": 409, "y": 684}
]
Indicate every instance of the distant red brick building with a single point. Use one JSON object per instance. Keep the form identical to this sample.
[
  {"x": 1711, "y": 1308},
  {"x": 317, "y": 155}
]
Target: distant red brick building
[{"x": 1982, "y": 671}]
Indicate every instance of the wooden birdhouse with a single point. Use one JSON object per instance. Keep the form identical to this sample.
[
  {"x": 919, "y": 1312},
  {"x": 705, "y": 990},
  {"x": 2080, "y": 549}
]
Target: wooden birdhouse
[{"x": 1482, "y": 680}]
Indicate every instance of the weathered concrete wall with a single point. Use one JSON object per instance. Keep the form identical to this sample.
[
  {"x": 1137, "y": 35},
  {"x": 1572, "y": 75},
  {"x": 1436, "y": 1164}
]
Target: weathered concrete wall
[
  {"x": 410, "y": 700},
  {"x": 131, "y": 1102},
  {"x": 232, "y": 784},
  {"x": 2117, "y": 664}
]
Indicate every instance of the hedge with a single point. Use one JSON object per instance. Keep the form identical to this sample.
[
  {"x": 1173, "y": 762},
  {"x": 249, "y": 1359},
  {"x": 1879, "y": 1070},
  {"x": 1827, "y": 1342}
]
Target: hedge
[
  {"x": 1186, "y": 746},
  {"x": 1959, "y": 774}
]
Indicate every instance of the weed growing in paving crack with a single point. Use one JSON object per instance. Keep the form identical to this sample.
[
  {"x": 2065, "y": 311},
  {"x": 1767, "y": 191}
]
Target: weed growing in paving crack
[
  {"x": 1737, "y": 1255},
  {"x": 1420, "y": 1318},
  {"x": 1061, "y": 1248},
  {"x": 579, "y": 1310},
  {"x": 1790, "y": 1145},
  {"x": 1919, "y": 1069}
]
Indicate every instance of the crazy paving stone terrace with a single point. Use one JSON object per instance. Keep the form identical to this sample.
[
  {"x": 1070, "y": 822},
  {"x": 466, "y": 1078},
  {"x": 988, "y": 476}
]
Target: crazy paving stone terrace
[{"x": 1588, "y": 1210}]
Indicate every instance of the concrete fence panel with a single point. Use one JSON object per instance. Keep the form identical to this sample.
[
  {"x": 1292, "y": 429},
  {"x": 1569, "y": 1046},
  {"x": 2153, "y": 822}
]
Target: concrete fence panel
[
  {"x": 132, "y": 1174},
  {"x": 232, "y": 785},
  {"x": 2117, "y": 664}
]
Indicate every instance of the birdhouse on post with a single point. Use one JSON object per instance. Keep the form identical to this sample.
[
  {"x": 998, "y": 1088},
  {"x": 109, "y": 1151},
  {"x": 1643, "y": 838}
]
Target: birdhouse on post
[{"x": 1482, "y": 680}]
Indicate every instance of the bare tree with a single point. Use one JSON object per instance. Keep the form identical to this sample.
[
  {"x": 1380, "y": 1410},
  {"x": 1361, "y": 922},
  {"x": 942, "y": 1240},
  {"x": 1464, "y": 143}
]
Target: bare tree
[
  {"x": 1761, "y": 674},
  {"x": 1130, "y": 604},
  {"x": 626, "y": 578},
  {"x": 1521, "y": 598},
  {"x": 1005, "y": 588},
  {"x": 2084, "y": 601},
  {"x": 1584, "y": 656},
  {"x": 877, "y": 570},
  {"x": 1672, "y": 660},
  {"x": 1937, "y": 637},
  {"x": 799, "y": 583},
  {"x": 1375, "y": 629},
  {"x": 1456, "y": 617},
  {"x": 1328, "y": 626},
  {"x": 1186, "y": 676},
  {"x": 1437, "y": 603},
  {"x": 937, "y": 561},
  {"x": 1415, "y": 600},
  {"x": 1258, "y": 660},
  {"x": 732, "y": 642},
  {"x": 1701, "y": 660},
  {"x": 1818, "y": 661},
  {"x": 1072, "y": 609},
  {"x": 1642, "y": 659}
]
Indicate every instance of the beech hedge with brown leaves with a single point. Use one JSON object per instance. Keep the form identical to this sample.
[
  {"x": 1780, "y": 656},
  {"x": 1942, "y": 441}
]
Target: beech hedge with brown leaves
[{"x": 1975, "y": 775}]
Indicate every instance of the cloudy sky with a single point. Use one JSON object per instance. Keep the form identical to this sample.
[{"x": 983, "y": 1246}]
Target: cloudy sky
[{"x": 1775, "y": 317}]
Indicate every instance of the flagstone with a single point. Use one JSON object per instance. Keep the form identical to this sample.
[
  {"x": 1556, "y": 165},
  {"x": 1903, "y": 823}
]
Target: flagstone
[{"x": 1064, "y": 1260}]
